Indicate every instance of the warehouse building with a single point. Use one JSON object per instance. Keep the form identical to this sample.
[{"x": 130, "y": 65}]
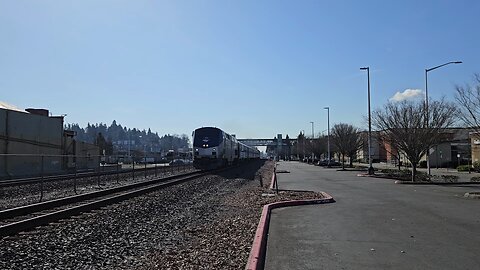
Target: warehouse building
[{"x": 32, "y": 143}]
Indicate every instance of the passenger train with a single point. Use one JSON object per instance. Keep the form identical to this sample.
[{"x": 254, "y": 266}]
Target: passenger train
[{"x": 214, "y": 148}]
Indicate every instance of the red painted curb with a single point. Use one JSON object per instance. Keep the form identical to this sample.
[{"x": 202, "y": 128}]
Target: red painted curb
[{"x": 256, "y": 260}]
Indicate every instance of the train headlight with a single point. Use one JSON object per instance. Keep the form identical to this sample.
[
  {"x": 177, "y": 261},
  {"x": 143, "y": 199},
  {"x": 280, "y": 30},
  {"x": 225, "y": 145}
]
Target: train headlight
[{"x": 214, "y": 149}]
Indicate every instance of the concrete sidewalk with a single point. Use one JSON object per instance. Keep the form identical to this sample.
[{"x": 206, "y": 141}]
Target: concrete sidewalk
[{"x": 374, "y": 224}]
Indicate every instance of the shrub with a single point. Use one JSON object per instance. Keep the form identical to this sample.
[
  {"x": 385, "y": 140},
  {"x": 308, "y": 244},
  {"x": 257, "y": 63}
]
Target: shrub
[
  {"x": 463, "y": 168},
  {"x": 404, "y": 174},
  {"x": 422, "y": 177},
  {"x": 475, "y": 179},
  {"x": 388, "y": 170},
  {"x": 476, "y": 166},
  {"x": 450, "y": 178},
  {"x": 395, "y": 172}
]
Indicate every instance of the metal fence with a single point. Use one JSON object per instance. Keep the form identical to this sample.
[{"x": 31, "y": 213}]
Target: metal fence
[{"x": 40, "y": 177}]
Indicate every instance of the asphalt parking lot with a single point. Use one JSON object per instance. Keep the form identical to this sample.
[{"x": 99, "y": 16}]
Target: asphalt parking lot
[{"x": 374, "y": 224}]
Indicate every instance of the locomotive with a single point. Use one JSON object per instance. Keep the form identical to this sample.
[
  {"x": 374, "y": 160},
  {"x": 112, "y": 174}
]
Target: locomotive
[{"x": 214, "y": 148}]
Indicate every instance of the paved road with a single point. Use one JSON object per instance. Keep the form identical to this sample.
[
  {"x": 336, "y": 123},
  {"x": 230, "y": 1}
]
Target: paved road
[{"x": 374, "y": 224}]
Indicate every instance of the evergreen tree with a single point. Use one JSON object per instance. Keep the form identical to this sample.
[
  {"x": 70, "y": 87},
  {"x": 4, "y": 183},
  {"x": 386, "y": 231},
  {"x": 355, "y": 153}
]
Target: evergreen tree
[{"x": 144, "y": 139}]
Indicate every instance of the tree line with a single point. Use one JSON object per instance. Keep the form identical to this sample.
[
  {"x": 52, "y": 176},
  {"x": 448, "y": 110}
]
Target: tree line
[
  {"x": 345, "y": 141},
  {"x": 107, "y": 136}
]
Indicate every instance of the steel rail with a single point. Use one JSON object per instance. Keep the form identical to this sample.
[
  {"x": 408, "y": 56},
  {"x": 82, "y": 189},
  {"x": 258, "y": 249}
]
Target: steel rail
[
  {"x": 41, "y": 206},
  {"x": 141, "y": 188}
]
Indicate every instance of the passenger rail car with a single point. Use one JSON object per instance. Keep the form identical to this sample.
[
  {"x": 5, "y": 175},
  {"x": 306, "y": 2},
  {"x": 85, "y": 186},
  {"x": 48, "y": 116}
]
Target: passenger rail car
[{"x": 213, "y": 148}]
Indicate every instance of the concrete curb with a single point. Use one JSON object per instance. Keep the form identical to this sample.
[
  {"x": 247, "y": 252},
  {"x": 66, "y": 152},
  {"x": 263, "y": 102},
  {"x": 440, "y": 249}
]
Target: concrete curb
[
  {"x": 372, "y": 176},
  {"x": 401, "y": 182},
  {"x": 272, "y": 186},
  {"x": 256, "y": 260},
  {"x": 351, "y": 170},
  {"x": 273, "y": 176}
]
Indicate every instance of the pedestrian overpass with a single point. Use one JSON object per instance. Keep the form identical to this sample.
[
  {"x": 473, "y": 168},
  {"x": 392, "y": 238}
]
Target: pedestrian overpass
[
  {"x": 267, "y": 142},
  {"x": 280, "y": 146}
]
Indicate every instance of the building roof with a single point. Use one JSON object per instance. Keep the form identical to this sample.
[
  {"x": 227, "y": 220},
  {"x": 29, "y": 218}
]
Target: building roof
[
  {"x": 458, "y": 134},
  {"x": 6, "y": 106}
]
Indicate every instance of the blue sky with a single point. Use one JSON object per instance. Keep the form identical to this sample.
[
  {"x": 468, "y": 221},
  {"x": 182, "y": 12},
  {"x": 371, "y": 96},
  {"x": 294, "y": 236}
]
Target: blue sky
[{"x": 253, "y": 68}]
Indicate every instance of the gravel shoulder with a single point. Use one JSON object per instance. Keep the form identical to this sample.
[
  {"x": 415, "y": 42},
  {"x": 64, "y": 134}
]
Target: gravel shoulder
[{"x": 208, "y": 223}]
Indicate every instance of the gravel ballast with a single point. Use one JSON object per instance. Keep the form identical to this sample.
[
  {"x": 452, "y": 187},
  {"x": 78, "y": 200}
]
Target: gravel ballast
[{"x": 207, "y": 223}]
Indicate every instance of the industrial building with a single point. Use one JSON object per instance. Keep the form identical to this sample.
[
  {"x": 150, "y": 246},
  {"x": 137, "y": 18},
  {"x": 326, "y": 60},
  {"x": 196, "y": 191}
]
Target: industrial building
[{"x": 32, "y": 142}]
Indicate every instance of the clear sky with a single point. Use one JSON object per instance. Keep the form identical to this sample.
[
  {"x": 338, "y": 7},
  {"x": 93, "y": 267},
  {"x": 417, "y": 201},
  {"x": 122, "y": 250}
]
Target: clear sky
[{"x": 252, "y": 68}]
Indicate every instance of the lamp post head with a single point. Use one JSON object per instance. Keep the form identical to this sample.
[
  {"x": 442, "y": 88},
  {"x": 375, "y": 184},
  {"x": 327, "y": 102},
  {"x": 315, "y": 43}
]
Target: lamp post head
[
  {"x": 364, "y": 68},
  {"x": 326, "y": 108},
  {"x": 452, "y": 62}
]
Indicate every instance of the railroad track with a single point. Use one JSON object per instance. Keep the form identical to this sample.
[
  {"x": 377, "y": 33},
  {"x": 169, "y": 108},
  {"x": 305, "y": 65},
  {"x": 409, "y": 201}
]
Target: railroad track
[
  {"x": 22, "y": 218},
  {"x": 51, "y": 178}
]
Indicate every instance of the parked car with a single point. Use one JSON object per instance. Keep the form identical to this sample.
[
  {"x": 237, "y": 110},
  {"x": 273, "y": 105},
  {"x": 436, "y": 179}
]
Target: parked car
[
  {"x": 335, "y": 163},
  {"x": 325, "y": 163}
]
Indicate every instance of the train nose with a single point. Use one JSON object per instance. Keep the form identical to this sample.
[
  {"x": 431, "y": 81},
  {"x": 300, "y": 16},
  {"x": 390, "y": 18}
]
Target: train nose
[{"x": 204, "y": 152}]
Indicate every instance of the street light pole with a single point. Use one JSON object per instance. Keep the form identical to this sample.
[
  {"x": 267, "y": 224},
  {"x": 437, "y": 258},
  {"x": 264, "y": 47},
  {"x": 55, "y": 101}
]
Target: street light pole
[
  {"x": 303, "y": 144},
  {"x": 313, "y": 138},
  {"x": 370, "y": 167},
  {"x": 426, "y": 104},
  {"x": 328, "y": 134}
]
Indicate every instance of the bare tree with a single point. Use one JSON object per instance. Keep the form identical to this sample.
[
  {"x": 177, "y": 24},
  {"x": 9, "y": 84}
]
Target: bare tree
[
  {"x": 319, "y": 146},
  {"x": 404, "y": 124},
  {"x": 300, "y": 145},
  {"x": 347, "y": 140},
  {"x": 468, "y": 99}
]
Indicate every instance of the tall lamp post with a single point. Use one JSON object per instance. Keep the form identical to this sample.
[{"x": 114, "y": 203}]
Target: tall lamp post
[
  {"x": 426, "y": 102},
  {"x": 328, "y": 134},
  {"x": 313, "y": 138},
  {"x": 303, "y": 145},
  {"x": 370, "y": 167}
]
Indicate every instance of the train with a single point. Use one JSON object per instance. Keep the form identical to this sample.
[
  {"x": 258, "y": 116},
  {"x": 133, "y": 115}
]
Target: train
[{"x": 214, "y": 148}]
